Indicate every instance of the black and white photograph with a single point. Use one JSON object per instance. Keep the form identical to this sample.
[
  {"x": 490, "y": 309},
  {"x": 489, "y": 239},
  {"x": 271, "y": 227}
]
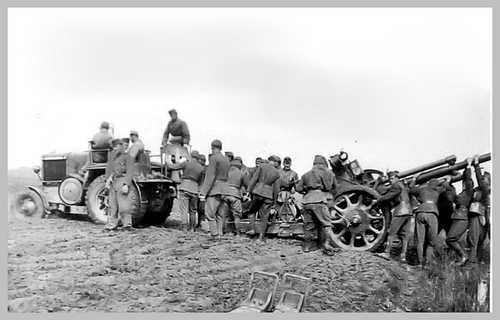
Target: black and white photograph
[{"x": 248, "y": 160}]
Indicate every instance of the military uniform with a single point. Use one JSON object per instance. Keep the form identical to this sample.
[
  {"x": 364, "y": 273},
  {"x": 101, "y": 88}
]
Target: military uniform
[
  {"x": 264, "y": 187},
  {"x": 213, "y": 188},
  {"x": 478, "y": 214},
  {"x": 120, "y": 204},
  {"x": 236, "y": 182},
  {"x": 179, "y": 131},
  {"x": 192, "y": 175},
  {"x": 316, "y": 184},
  {"x": 401, "y": 216},
  {"x": 426, "y": 217},
  {"x": 459, "y": 217}
]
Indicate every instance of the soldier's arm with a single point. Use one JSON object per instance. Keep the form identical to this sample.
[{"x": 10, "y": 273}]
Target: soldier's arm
[
  {"x": 209, "y": 177},
  {"x": 185, "y": 133},
  {"x": 299, "y": 187},
  {"x": 394, "y": 191},
  {"x": 254, "y": 179},
  {"x": 467, "y": 183},
  {"x": 130, "y": 170},
  {"x": 109, "y": 170},
  {"x": 165, "y": 136},
  {"x": 276, "y": 189},
  {"x": 480, "y": 179}
]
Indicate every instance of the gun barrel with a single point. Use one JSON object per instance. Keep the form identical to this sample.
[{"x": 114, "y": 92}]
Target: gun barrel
[
  {"x": 441, "y": 172},
  {"x": 450, "y": 160}
]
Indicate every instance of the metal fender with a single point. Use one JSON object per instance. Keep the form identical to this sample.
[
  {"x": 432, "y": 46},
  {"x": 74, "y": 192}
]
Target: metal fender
[{"x": 42, "y": 197}]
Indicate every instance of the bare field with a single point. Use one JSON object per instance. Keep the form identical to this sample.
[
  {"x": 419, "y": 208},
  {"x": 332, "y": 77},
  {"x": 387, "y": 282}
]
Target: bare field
[{"x": 62, "y": 264}]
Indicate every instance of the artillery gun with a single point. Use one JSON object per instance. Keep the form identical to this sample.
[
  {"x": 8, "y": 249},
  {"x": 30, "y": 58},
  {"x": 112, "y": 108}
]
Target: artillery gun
[{"x": 65, "y": 188}]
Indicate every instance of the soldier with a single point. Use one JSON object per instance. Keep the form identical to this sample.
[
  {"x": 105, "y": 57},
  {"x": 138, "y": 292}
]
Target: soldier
[
  {"x": 479, "y": 211},
  {"x": 401, "y": 215},
  {"x": 213, "y": 188},
  {"x": 126, "y": 144},
  {"x": 258, "y": 162},
  {"x": 237, "y": 182},
  {"x": 288, "y": 177},
  {"x": 459, "y": 218},
  {"x": 426, "y": 217},
  {"x": 118, "y": 181},
  {"x": 201, "y": 205},
  {"x": 138, "y": 155},
  {"x": 229, "y": 155},
  {"x": 192, "y": 175},
  {"x": 264, "y": 187},
  {"x": 178, "y": 129},
  {"x": 102, "y": 139},
  {"x": 316, "y": 184}
]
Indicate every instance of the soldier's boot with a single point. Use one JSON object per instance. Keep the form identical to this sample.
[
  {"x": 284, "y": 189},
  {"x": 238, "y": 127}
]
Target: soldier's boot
[
  {"x": 237, "y": 226},
  {"x": 404, "y": 249},
  {"x": 328, "y": 239},
  {"x": 192, "y": 222},
  {"x": 251, "y": 232},
  {"x": 388, "y": 247}
]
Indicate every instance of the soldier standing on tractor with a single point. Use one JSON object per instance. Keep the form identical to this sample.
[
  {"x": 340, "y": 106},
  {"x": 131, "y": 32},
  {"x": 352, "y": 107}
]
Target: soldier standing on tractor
[
  {"x": 479, "y": 211},
  {"x": 118, "y": 182},
  {"x": 264, "y": 187},
  {"x": 316, "y": 184},
  {"x": 459, "y": 218},
  {"x": 137, "y": 153},
  {"x": 426, "y": 218},
  {"x": 237, "y": 181},
  {"x": 192, "y": 175},
  {"x": 401, "y": 215},
  {"x": 213, "y": 188},
  {"x": 178, "y": 129}
]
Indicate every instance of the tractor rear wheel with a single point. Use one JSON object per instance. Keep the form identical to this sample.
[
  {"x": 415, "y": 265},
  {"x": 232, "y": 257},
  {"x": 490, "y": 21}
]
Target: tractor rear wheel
[{"x": 97, "y": 198}]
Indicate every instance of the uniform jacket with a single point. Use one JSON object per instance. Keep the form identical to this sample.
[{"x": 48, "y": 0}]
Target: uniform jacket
[
  {"x": 428, "y": 195},
  {"x": 215, "y": 175},
  {"x": 176, "y": 128},
  {"x": 288, "y": 179},
  {"x": 265, "y": 182},
  {"x": 192, "y": 175},
  {"x": 102, "y": 140},
  {"x": 237, "y": 181},
  {"x": 119, "y": 166},
  {"x": 316, "y": 184},
  {"x": 398, "y": 193},
  {"x": 135, "y": 149}
]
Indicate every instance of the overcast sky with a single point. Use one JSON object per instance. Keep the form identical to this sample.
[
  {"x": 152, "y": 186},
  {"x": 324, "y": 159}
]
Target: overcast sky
[{"x": 393, "y": 87}]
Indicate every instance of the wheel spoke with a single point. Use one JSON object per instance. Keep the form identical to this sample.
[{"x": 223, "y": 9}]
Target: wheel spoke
[{"x": 375, "y": 230}]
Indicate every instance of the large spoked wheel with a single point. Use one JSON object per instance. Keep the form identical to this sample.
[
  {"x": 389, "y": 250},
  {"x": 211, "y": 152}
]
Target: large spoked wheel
[{"x": 356, "y": 223}]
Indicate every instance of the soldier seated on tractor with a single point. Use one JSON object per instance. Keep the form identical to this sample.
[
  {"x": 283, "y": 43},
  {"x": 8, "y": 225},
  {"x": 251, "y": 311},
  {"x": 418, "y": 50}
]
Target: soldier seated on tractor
[{"x": 101, "y": 140}]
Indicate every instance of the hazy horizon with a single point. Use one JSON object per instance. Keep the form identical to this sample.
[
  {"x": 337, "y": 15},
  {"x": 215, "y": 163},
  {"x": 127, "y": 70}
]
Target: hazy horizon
[{"x": 395, "y": 88}]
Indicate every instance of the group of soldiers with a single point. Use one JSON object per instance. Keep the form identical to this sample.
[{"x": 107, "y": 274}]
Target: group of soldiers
[
  {"x": 469, "y": 219},
  {"x": 226, "y": 187}
]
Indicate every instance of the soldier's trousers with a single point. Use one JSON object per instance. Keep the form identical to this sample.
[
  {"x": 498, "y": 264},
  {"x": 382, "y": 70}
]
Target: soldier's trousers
[
  {"x": 263, "y": 206},
  {"x": 214, "y": 214},
  {"x": 120, "y": 205},
  {"x": 232, "y": 207},
  {"x": 477, "y": 234},
  {"x": 316, "y": 216},
  {"x": 457, "y": 229},
  {"x": 427, "y": 234},
  {"x": 188, "y": 207}
]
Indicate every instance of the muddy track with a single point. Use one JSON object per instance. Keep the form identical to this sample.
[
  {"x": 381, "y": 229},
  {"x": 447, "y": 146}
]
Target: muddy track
[{"x": 68, "y": 265}]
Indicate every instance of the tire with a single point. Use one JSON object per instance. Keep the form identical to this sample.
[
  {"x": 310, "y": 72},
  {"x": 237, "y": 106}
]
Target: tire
[
  {"x": 28, "y": 204},
  {"x": 95, "y": 209}
]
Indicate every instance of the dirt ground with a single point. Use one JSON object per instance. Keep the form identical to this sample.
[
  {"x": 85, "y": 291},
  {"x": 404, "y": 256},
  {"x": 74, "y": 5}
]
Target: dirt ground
[{"x": 65, "y": 264}]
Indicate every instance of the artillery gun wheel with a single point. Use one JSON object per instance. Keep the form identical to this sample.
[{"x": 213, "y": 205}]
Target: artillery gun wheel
[
  {"x": 356, "y": 223},
  {"x": 29, "y": 204},
  {"x": 97, "y": 196}
]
